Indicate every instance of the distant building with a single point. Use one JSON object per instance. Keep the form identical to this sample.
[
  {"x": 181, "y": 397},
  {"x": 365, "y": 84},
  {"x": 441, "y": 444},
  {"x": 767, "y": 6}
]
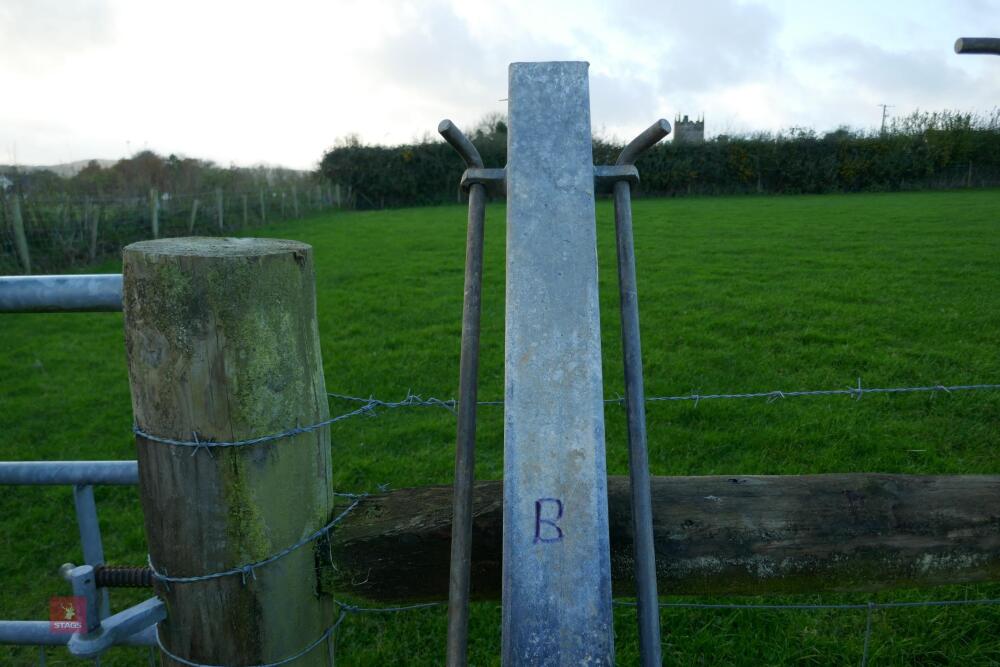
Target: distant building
[{"x": 689, "y": 131}]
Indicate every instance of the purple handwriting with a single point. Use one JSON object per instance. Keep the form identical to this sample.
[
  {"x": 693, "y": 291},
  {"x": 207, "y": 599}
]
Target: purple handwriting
[{"x": 551, "y": 531}]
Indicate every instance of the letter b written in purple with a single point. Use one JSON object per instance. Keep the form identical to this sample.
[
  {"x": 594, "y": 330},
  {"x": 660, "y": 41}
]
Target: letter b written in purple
[{"x": 547, "y": 512}]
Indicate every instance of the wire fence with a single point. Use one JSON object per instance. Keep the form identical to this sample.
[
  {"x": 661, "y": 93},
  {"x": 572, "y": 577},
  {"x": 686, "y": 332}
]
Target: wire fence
[
  {"x": 856, "y": 392},
  {"x": 49, "y": 234},
  {"x": 370, "y": 407}
]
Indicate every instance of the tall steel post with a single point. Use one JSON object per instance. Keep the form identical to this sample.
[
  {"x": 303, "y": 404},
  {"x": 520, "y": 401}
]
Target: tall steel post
[
  {"x": 556, "y": 559},
  {"x": 648, "y": 611},
  {"x": 468, "y": 385}
]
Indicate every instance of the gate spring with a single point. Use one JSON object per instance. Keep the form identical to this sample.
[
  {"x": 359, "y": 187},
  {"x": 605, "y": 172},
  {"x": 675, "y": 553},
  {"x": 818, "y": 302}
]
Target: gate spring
[{"x": 118, "y": 576}]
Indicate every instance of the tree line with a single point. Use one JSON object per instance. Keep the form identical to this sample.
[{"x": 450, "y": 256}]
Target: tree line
[
  {"x": 136, "y": 175},
  {"x": 923, "y": 150}
]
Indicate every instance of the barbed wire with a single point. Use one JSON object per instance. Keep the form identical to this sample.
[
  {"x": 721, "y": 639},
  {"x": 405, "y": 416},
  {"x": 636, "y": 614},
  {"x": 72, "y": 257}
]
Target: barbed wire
[
  {"x": 248, "y": 571},
  {"x": 411, "y": 401},
  {"x": 415, "y": 400},
  {"x": 856, "y": 392},
  {"x": 284, "y": 661},
  {"x": 871, "y": 607},
  {"x": 369, "y": 407},
  {"x": 198, "y": 444}
]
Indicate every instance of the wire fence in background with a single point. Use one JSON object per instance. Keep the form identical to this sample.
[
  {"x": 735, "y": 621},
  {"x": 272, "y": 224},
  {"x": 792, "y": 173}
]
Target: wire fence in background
[{"x": 53, "y": 234}]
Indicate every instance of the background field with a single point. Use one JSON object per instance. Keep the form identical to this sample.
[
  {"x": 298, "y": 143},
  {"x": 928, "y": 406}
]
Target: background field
[{"x": 736, "y": 294}]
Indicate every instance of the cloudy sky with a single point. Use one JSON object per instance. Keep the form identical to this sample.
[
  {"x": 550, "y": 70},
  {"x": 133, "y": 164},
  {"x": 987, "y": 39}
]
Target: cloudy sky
[{"x": 278, "y": 82}]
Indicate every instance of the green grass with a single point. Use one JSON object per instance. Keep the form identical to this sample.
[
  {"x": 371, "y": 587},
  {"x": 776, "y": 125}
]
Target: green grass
[{"x": 736, "y": 294}]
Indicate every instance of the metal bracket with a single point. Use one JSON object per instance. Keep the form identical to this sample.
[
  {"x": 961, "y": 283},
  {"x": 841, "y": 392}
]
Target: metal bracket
[
  {"x": 606, "y": 176},
  {"x": 115, "y": 629},
  {"x": 102, "y": 634},
  {"x": 495, "y": 180}
]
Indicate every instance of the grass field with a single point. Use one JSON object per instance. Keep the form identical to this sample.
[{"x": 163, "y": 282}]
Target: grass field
[{"x": 736, "y": 294}]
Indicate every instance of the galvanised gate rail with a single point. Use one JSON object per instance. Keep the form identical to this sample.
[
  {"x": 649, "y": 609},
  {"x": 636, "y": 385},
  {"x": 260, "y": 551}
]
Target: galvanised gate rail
[{"x": 134, "y": 626}]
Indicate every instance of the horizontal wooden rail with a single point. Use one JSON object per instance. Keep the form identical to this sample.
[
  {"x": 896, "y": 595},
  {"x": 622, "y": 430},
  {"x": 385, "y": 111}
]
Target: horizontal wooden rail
[{"x": 713, "y": 535}]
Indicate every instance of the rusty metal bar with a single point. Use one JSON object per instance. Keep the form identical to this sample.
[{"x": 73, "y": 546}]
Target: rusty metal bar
[
  {"x": 648, "y": 613},
  {"x": 465, "y": 440}
]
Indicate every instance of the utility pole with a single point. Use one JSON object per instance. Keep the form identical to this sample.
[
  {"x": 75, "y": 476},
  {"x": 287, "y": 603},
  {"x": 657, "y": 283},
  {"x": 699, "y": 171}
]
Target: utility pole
[{"x": 885, "y": 113}]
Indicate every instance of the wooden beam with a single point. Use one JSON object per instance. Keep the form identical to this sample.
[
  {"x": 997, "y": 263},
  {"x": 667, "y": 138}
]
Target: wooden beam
[{"x": 714, "y": 535}]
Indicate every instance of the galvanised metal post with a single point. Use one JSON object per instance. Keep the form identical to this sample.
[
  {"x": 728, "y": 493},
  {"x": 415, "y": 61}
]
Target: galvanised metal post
[
  {"x": 85, "y": 586},
  {"x": 90, "y": 537},
  {"x": 989, "y": 45},
  {"x": 465, "y": 445},
  {"x": 556, "y": 559},
  {"x": 648, "y": 610}
]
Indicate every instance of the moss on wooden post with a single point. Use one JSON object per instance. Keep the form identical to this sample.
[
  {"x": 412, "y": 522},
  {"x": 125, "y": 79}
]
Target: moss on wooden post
[{"x": 222, "y": 342}]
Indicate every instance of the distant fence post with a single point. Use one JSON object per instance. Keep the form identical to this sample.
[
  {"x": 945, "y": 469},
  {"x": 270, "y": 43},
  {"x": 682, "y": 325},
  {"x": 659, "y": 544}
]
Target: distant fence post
[
  {"x": 154, "y": 211},
  {"x": 194, "y": 215},
  {"x": 95, "y": 221},
  {"x": 246, "y": 212},
  {"x": 263, "y": 211},
  {"x": 282, "y": 204},
  {"x": 220, "y": 205},
  {"x": 20, "y": 239},
  {"x": 213, "y": 510},
  {"x": 295, "y": 201},
  {"x": 336, "y": 195},
  {"x": 85, "y": 223}
]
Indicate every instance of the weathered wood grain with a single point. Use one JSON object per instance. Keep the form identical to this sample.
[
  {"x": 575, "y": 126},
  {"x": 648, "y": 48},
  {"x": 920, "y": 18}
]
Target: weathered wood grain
[
  {"x": 713, "y": 535},
  {"x": 222, "y": 342}
]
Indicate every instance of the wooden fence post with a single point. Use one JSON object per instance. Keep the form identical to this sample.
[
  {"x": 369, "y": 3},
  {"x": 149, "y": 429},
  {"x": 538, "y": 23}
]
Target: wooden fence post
[
  {"x": 223, "y": 345},
  {"x": 295, "y": 201},
  {"x": 220, "y": 205},
  {"x": 263, "y": 211},
  {"x": 194, "y": 215},
  {"x": 95, "y": 221},
  {"x": 336, "y": 195},
  {"x": 154, "y": 211},
  {"x": 282, "y": 204},
  {"x": 246, "y": 212},
  {"x": 20, "y": 239},
  {"x": 85, "y": 223}
]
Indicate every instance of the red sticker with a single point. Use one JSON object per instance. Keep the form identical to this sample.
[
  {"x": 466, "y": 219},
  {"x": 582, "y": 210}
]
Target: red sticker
[{"x": 67, "y": 615}]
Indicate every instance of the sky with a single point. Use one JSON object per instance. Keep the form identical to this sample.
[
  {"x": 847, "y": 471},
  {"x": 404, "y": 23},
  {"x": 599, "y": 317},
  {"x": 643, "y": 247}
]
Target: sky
[{"x": 279, "y": 82}]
